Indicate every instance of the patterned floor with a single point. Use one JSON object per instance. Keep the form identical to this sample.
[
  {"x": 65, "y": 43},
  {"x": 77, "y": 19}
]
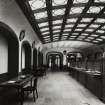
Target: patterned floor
[{"x": 60, "y": 89}]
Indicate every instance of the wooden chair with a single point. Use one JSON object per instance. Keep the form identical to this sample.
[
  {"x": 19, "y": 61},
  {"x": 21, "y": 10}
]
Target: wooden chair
[{"x": 32, "y": 88}]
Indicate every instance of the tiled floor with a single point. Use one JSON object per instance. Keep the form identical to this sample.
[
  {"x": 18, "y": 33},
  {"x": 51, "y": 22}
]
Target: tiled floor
[{"x": 60, "y": 89}]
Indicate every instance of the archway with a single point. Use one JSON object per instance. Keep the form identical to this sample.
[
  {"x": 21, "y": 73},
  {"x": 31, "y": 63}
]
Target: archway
[
  {"x": 9, "y": 52},
  {"x": 25, "y": 56},
  {"x": 54, "y": 60}
]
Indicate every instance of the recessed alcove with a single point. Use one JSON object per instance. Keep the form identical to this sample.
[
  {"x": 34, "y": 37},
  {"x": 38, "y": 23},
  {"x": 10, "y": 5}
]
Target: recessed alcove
[
  {"x": 54, "y": 59},
  {"x": 25, "y": 56},
  {"x": 9, "y": 53}
]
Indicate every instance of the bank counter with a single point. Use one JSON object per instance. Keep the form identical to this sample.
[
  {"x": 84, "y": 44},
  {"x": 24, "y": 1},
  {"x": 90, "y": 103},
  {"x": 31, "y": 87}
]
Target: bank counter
[{"x": 92, "y": 80}]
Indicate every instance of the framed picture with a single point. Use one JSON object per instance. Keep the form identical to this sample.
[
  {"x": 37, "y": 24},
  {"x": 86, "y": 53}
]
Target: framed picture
[{"x": 22, "y": 35}]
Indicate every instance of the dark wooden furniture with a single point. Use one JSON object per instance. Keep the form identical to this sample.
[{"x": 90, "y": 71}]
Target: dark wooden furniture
[
  {"x": 89, "y": 79},
  {"x": 32, "y": 88},
  {"x": 18, "y": 83}
]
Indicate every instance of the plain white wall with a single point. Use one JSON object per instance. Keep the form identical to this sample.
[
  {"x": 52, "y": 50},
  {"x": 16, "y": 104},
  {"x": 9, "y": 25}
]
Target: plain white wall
[{"x": 3, "y": 55}]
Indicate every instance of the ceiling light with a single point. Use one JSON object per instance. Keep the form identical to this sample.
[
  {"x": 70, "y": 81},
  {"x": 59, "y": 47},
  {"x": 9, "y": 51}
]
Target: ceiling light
[
  {"x": 99, "y": 39},
  {"x": 44, "y": 29},
  {"x": 75, "y": 10},
  {"x": 44, "y": 33},
  {"x": 94, "y": 35},
  {"x": 87, "y": 40},
  {"x": 69, "y": 25},
  {"x": 57, "y": 21},
  {"x": 78, "y": 29},
  {"x": 56, "y": 27},
  {"x": 56, "y": 35},
  {"x": 91, "y": 37},
  {"x": 46, "y": 36},
  {"x": 86, "y": 19},
  {"x": 73, "y": 36},
  {"x": 100, "y": 20},
  {"x": 80, "y": 1},
  {"x": 95, "y": 41},
  {"x": 71, "y": 20},
  {"x": 82, "y": 25},
  {"x": 95, "y": 9},
  {"x": 37, "y": 4},
  {"x": 65, "y": 34},
  {"x": 58, "y": 12},
  {"x": 43, "y": 24},
  {"x": 103, "y": 37},
  {"x": 100, "y": 31},
  {"x": 94, "y": 26},
  {"x": 84, "y": 34},
  {"x": 90, "y": 30},
  {"x": 67, "y": 30},
  {"x": 59, "y": 2},
  {"x": 99, "y": 1},
  {"x": 40, "y": 15}
]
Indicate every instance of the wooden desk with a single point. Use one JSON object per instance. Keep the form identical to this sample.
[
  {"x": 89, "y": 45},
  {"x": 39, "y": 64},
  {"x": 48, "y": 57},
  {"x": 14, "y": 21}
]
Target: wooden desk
[{"x": 18, "y": 83}]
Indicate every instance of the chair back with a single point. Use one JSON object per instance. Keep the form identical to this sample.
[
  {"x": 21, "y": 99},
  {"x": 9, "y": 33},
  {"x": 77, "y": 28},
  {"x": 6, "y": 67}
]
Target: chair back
[{"x": 35, "y": 83}]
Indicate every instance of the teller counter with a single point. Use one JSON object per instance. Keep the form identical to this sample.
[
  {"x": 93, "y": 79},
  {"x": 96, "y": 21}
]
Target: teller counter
[{"x": 89, "y": 79}]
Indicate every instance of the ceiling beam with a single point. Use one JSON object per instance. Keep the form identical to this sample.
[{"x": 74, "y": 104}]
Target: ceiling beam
[
  {"x": 49, "y": 13},
  {"x": 68, "y": 7}
]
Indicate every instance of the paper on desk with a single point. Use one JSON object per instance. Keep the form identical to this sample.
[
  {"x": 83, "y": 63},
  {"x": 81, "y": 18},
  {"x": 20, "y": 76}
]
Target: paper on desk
[{"x": 11, "y": 81}]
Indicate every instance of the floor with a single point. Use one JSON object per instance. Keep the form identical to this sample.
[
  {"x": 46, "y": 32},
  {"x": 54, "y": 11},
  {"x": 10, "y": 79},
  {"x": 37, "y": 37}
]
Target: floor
[{"x": 58, "y": 88}]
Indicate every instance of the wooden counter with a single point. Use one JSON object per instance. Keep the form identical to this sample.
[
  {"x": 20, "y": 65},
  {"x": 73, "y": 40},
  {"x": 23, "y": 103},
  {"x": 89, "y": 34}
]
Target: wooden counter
[{"x": 91, "y": 80}]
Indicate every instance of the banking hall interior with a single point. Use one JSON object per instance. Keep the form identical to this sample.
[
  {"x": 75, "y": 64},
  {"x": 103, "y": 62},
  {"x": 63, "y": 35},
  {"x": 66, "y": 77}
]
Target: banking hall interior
[{"x": 52, "y": 52}]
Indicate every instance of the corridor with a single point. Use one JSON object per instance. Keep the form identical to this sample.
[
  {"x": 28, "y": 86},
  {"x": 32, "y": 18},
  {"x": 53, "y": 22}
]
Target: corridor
[{"x": 58, "y": 88}]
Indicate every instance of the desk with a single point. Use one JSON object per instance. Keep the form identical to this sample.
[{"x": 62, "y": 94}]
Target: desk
[{"x": 18, "y": 83}]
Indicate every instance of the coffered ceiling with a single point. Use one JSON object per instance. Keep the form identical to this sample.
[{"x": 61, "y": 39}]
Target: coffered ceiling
[{"x": 66, "y": 20}]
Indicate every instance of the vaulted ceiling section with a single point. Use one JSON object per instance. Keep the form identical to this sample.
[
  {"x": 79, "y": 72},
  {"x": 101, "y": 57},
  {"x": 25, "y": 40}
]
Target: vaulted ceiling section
[{"x": 71, "y": 20}]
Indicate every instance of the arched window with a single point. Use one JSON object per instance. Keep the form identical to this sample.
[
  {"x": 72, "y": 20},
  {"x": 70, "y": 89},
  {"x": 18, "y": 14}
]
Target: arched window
[
  {"x": 25, "y": 56},
  {"x": 9, "y": 53}
]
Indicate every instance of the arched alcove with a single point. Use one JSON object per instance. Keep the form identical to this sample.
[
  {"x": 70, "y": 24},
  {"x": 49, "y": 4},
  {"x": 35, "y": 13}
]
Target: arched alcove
[
  {"x": 40, "y": 59},
  {"x": 52, "y": 56},
  {"x": 9, "y": 52},
  {"x": 34, "y": 58},
  {"x": 25, "y": 55}
]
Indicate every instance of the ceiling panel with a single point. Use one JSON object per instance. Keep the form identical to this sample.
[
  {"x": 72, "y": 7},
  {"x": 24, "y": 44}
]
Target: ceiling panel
[{"x": 68, "y": 20}]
